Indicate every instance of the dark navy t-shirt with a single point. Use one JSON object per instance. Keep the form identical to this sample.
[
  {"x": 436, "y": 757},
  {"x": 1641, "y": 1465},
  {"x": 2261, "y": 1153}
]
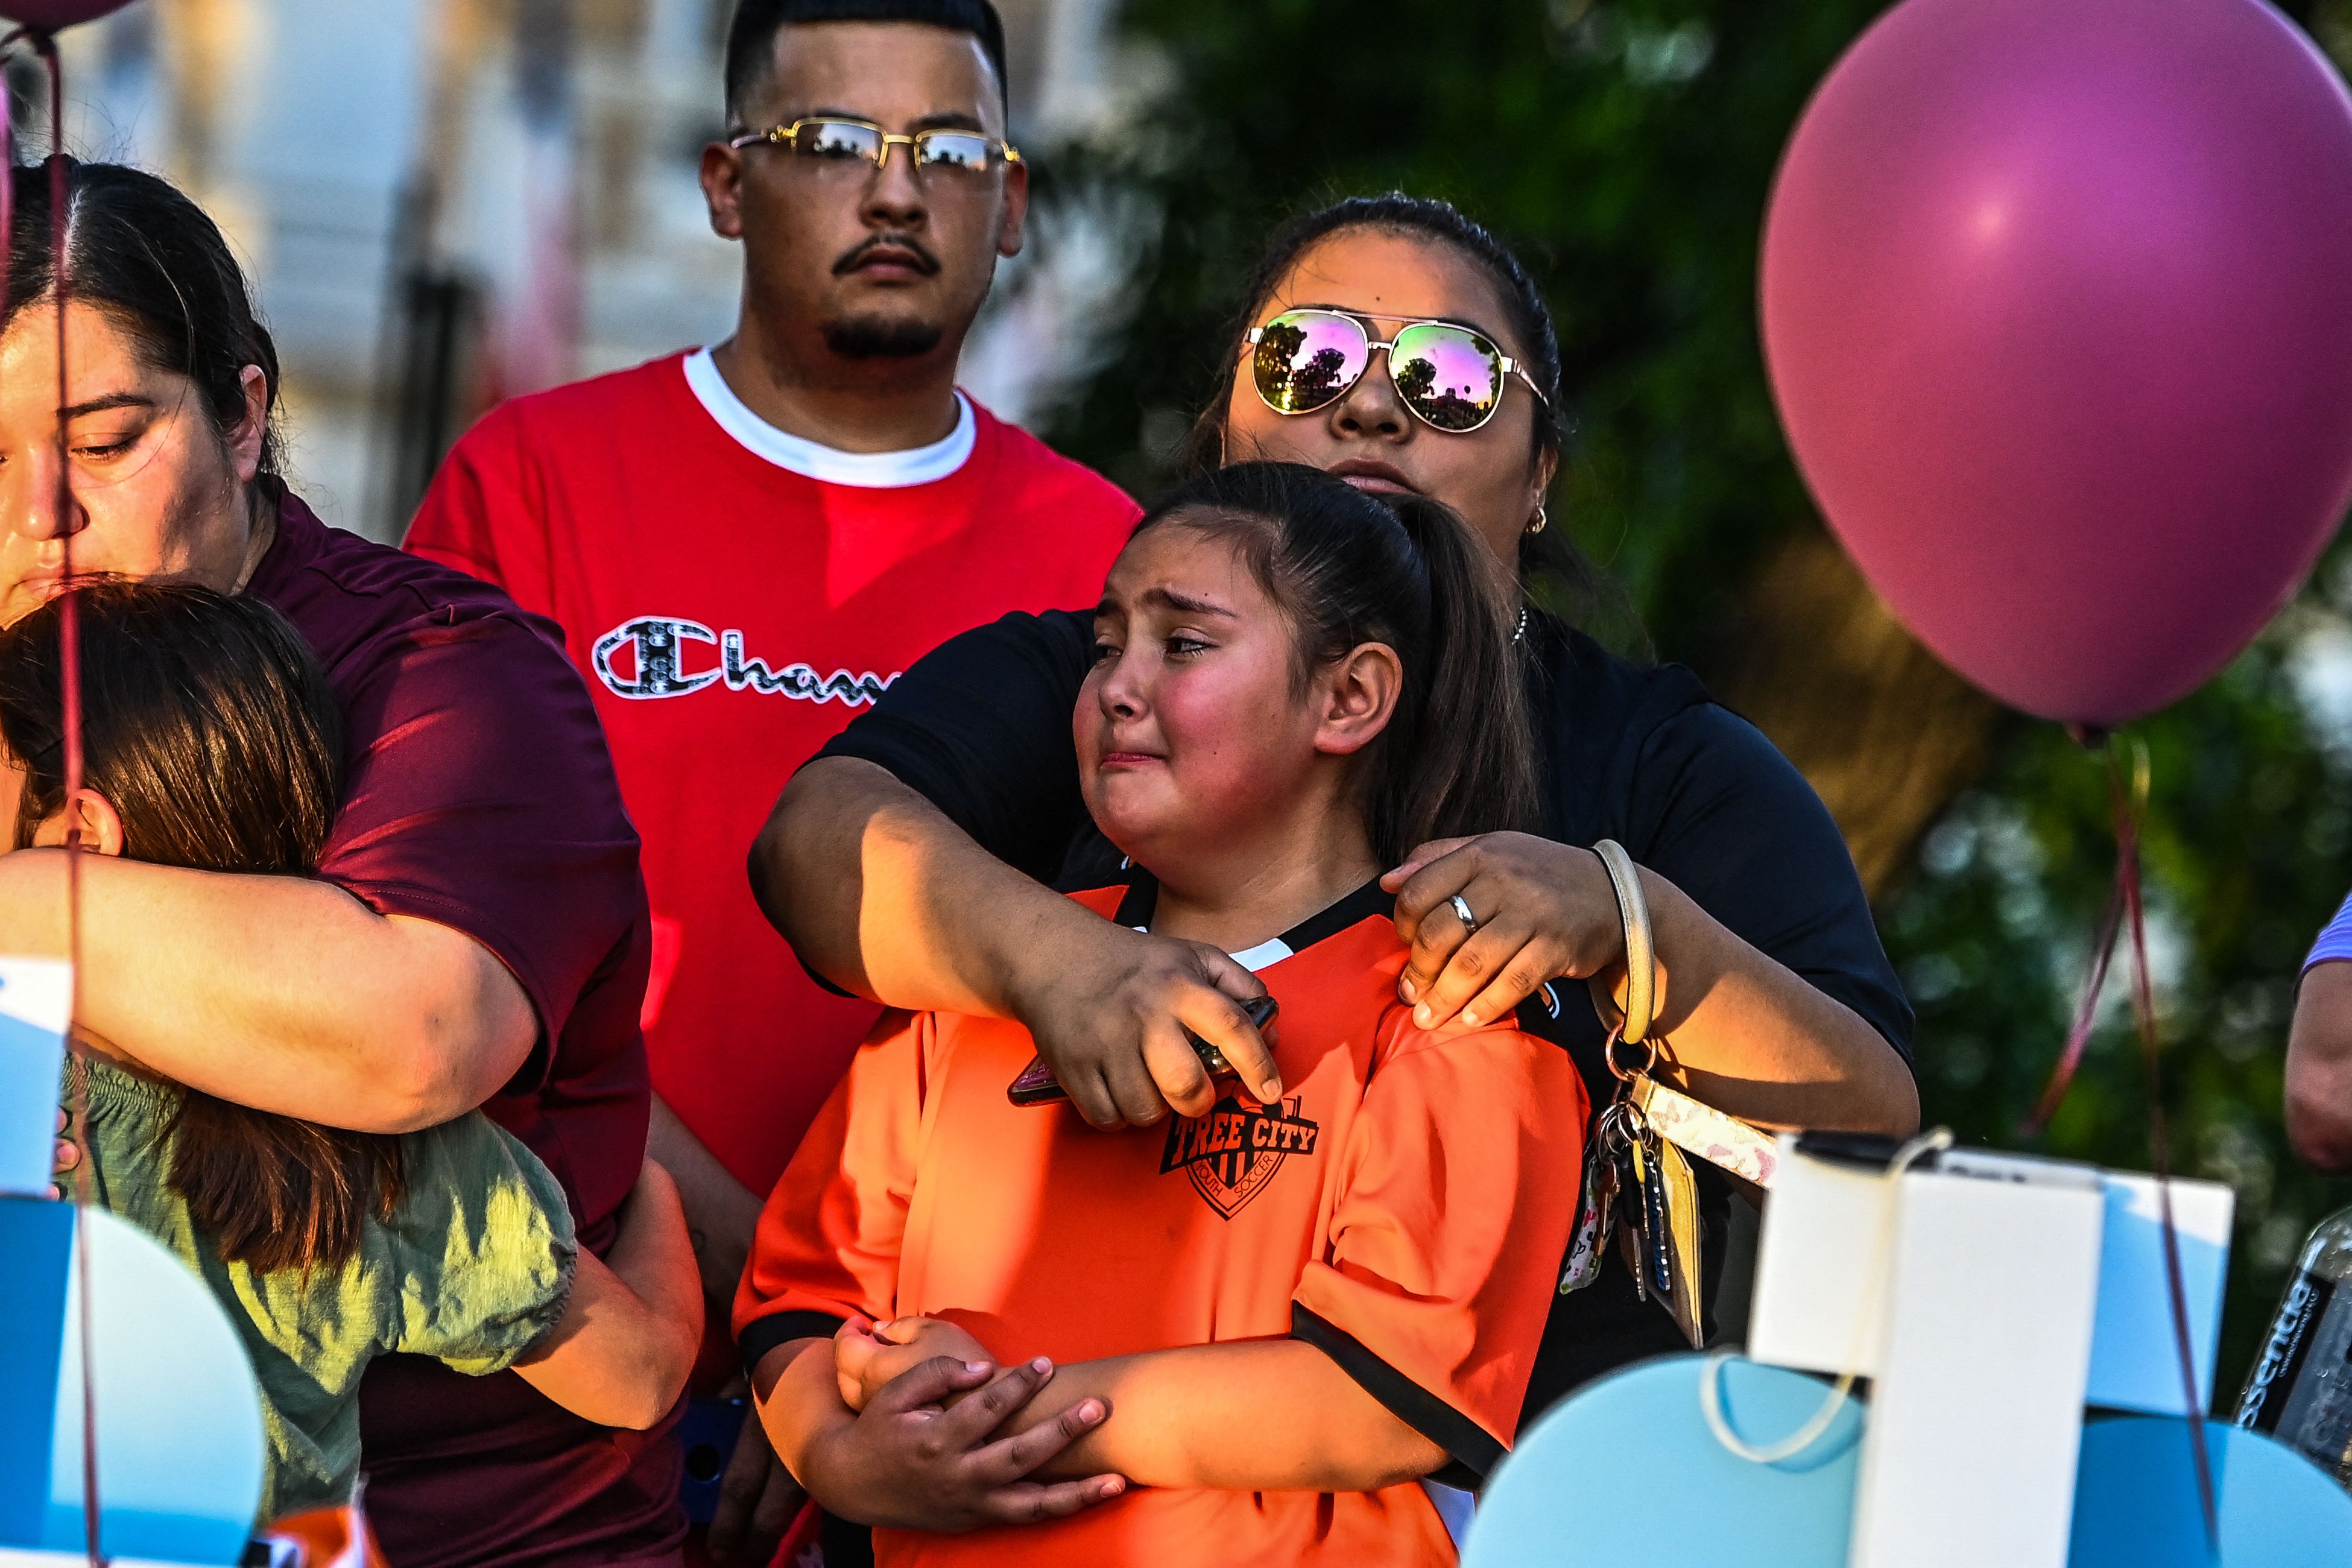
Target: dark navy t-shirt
[
  {"x": 981, "y": 727},
  {"x": 479, "y": 796}
]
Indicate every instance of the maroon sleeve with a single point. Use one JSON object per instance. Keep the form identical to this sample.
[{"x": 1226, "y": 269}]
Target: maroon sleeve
[
  {"x": 485, "y": 515},
  {"x": 479, "y": 796}
]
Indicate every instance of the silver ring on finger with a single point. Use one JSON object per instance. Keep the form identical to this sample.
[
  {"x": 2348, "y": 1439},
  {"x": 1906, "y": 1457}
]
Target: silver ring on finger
[{"x": 1461, "y": 912}]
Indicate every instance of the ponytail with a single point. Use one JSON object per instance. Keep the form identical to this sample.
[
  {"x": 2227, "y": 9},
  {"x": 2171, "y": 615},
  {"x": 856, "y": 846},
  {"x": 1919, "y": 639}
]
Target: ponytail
[{"x": 1458, "y": 755}]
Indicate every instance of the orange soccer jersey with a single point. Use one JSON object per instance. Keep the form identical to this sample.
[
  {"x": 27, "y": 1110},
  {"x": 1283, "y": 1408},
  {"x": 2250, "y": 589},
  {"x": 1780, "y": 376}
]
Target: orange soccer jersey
[{"x": 1405, "y": 1209}]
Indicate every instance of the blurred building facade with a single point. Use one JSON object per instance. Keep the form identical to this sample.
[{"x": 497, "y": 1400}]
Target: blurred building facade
[{"x": 442, "y": 202}]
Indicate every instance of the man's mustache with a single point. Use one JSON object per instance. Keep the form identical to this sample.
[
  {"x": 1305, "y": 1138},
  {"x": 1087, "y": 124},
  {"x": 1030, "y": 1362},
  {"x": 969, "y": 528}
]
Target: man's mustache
[{"x": 925, "y": 262}]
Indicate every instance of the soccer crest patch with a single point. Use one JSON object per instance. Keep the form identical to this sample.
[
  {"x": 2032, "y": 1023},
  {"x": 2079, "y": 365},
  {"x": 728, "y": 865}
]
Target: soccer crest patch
[{"x": 1235, "y": 1151}]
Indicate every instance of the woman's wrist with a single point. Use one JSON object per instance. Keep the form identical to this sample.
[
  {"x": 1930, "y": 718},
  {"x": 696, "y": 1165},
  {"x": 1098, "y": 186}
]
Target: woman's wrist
[
  {"x": 1600, "y": 938},
  {"x": 1607, "y": 936},
  {"x": 1671, "y": 934},
  {"x": 1033, "y": 957}
]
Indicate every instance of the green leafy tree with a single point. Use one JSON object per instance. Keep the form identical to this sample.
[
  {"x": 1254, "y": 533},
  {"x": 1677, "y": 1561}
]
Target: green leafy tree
[{"x": 1627, "y": 147}]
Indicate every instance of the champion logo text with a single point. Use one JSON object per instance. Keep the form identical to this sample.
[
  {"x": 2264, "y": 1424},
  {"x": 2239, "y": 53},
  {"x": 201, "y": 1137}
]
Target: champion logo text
[{"x": 655, "y": 666}]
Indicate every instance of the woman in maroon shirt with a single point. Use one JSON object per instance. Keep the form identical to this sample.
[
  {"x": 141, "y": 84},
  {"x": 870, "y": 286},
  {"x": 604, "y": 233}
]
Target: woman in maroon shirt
[{"x": 477, "y": 934}]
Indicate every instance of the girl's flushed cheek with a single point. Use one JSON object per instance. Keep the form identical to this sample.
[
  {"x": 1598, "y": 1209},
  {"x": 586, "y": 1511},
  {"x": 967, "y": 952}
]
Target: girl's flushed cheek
[
  {"x": 1232, "y": 743},
  {"x": 1191, "y": 723}
]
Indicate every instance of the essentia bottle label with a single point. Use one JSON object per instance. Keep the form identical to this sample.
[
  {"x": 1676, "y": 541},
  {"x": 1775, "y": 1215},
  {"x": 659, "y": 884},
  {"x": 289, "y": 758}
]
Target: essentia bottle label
[{"x": 2268, "y": 1393}]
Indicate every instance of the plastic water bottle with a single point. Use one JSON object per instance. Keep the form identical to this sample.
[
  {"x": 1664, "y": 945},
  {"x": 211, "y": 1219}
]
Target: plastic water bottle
[{"x": 2301, "y": 1388}]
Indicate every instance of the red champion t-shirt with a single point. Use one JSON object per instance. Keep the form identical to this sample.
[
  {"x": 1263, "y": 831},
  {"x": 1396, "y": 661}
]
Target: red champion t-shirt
[
  {"x": 736, "y": 596},
  {"x": 479, "y": 794}
]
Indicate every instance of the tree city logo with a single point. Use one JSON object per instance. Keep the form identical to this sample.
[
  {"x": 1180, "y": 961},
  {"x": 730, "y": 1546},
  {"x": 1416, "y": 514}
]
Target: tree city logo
[
  {"x": 1235, "y": 1151},
  {"x": 658, "y": 645}
]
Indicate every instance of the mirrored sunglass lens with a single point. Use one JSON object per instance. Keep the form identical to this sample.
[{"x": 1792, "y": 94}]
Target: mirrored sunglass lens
[
  {"x": 953, "y": 150},
  {"x": 1305, "y": 359},
  {"x": 837, "y": 139},
  {"x": 1449, "y": 376}
]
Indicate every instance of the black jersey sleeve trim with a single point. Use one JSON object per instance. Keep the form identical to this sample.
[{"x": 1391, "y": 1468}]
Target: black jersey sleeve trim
[
  {"x": 1474, "y": 1454},
  {"x": 765, "y": 1335},
  {"x": 823, "y": 983}
]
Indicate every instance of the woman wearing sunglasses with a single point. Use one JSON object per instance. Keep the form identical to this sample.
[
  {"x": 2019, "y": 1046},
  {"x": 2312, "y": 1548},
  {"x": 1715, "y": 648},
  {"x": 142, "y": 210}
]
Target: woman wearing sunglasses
[{"x": 1394, "y": 342}]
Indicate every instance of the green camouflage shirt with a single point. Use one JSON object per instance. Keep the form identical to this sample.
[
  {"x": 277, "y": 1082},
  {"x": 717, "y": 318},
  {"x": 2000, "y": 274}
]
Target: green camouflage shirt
[{"x": 474, "y": 1269}]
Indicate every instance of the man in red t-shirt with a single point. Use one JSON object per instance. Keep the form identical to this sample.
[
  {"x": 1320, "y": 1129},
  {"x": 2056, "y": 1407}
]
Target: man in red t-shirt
[{"x": 746, "y": 545}]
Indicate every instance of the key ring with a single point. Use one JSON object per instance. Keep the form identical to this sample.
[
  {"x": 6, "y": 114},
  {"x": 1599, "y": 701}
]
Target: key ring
[
  {"x": 1625, "y": 1074},
  {"x": 1615, "y": 1138}
]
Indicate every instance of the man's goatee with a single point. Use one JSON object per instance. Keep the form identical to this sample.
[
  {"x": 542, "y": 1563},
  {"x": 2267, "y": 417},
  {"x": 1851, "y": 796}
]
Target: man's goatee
[{"x": 876, "y": 337}]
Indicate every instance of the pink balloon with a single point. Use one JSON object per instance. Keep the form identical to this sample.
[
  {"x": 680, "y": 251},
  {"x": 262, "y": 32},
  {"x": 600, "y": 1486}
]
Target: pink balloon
[
  {"x": 2057, "y": 304},
  {"x": 48, "y": 16}
]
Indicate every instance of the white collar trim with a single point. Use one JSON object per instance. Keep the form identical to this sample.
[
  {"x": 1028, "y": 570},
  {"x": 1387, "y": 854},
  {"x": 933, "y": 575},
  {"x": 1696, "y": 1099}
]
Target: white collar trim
[
  {"x": 828, "y": 465},
  {"x": 1265, "y": 955}
]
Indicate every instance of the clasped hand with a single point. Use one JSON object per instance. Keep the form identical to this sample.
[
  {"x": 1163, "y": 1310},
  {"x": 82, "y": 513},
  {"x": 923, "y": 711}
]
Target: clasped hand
[
  {"x": 927, "y": 1449},
  {"x": 867, "y": 1357}
]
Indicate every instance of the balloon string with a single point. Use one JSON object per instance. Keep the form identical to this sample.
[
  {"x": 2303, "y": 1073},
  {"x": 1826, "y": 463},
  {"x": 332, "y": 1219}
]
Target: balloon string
[
  {"x": 2102, "y": 945},
  {"x": 2086, "y": 1011},
  {"x": 69, "y": 667},
  {"x": 2160, "y": 1145},
  {"x": 2128, "y": 802}
]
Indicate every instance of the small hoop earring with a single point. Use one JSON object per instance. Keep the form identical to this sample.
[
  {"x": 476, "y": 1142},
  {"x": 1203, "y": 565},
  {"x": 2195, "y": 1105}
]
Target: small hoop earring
[{"x": 1537, "y": 525}]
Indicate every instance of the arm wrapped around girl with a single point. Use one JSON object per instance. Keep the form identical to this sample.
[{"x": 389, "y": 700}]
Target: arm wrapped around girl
[{"x": 1299, "y": 1305}]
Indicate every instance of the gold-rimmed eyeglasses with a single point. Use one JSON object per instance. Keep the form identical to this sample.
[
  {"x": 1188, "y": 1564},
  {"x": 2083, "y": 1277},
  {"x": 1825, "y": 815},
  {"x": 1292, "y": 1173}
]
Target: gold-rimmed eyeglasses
[{"x": 829, "y": 141}]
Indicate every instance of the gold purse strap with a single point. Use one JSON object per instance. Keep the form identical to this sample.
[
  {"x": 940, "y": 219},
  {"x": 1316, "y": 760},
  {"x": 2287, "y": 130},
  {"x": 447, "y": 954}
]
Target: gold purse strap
[{"x": 1640, "y": 948}]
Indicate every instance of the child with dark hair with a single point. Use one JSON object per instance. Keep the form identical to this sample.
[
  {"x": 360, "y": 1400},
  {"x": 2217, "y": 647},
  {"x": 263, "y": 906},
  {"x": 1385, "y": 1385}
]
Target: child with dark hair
[
  {"x": 211, "y": 741},
  {"x": 1300, "y": 1305}
]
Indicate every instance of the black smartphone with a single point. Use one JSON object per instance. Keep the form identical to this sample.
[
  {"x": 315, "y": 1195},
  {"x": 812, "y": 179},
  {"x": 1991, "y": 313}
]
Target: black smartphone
[{"x": 1038, "y": 1086}]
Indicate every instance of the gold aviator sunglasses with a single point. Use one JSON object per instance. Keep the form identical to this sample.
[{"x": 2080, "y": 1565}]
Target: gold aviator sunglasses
[
  {"x": 1450, "y": 377},
  {"x": 845, "y": 141}
]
